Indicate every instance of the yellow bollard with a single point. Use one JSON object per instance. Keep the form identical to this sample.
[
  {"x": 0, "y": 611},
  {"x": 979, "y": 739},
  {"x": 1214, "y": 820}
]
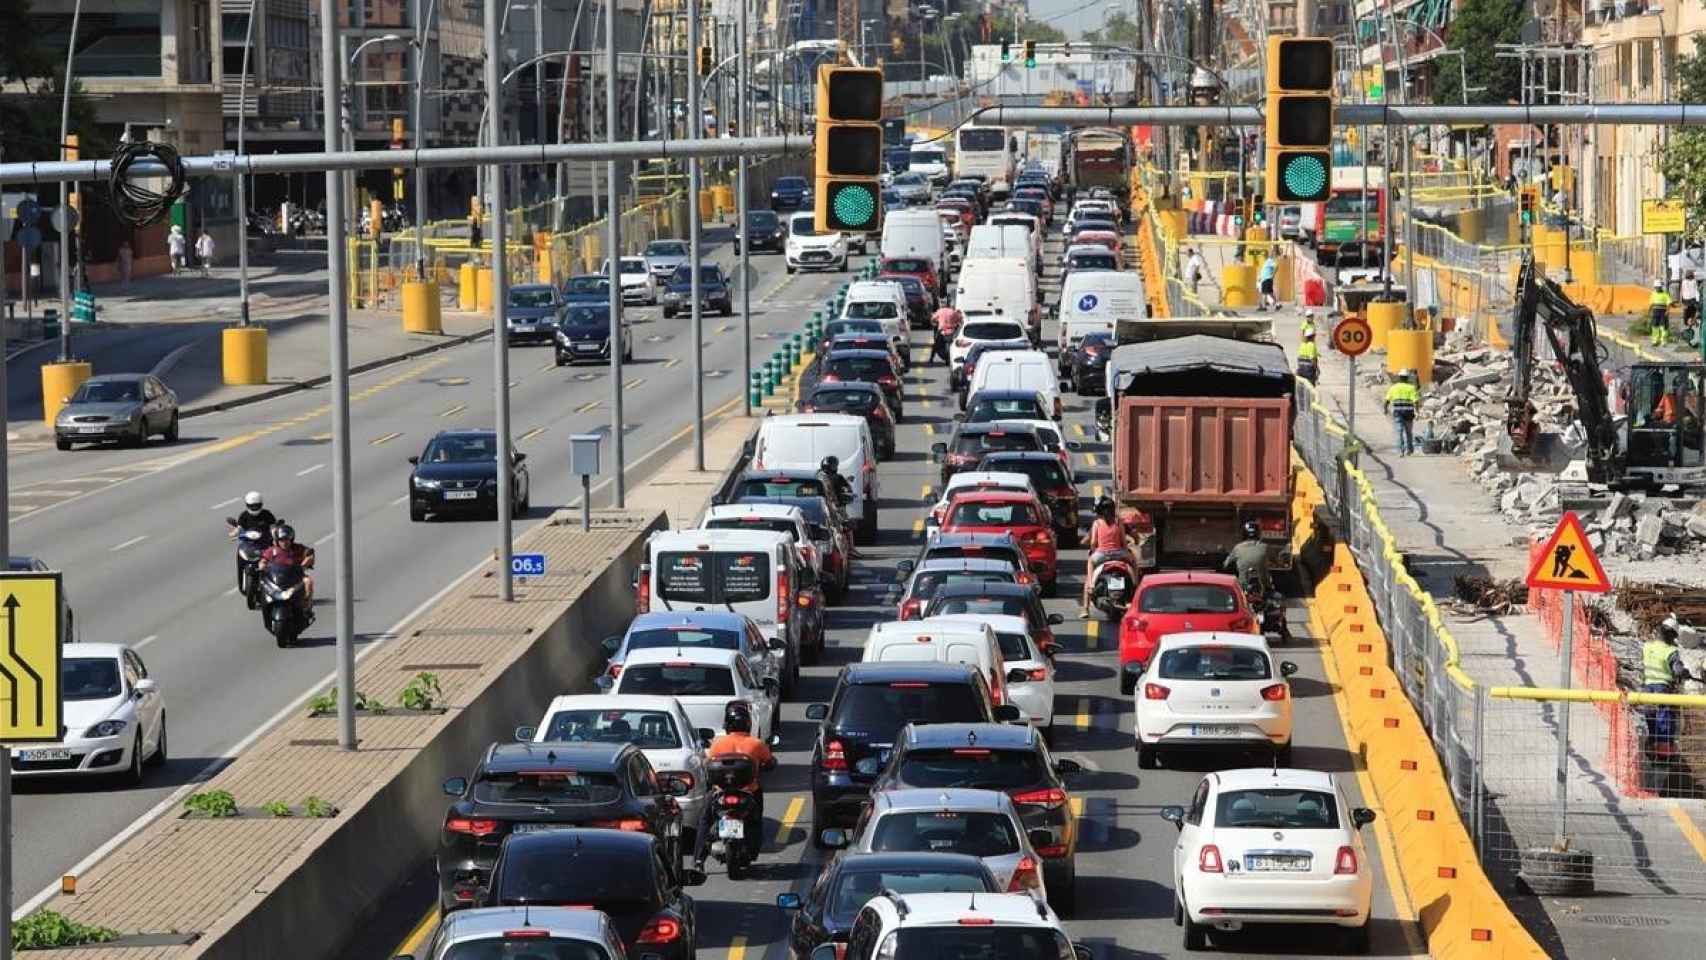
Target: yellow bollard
[
  {"x": 243, "y": 351},
  {"x": 1384, "y": 316},
  {"x": 1411, "y": 350},
  {"x": 483, "y": 290},
  {"x": 467, "y": 294},
  {"x": 58, "y": 382},
  {"x": 1513, "y": 228},
  {"x": 707, "y": 205},
  {"x": 1470, "y": 225},
  {"x": 1237, "y": 285},
  {"x": 724, "y": 199},
  {"x": 421, "y": 308}
]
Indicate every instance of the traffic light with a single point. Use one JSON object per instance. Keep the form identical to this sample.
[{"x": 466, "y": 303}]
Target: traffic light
[
  {"x": 1006, "y": 51},
  {"x": 849, "y": 149},
  {"x": 705, "y": 63},
  {"x": 1299, "y": 114},
  {"x": 1030, "y": 54}
]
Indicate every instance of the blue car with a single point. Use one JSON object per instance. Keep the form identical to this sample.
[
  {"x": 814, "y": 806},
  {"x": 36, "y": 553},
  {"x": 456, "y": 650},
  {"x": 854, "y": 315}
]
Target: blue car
[
  {"x": 587, "y": 288},
  {"x": 790, "y": 193},
  {"x": 531, "y": 313},
  {"x": 714, "y": 291}
]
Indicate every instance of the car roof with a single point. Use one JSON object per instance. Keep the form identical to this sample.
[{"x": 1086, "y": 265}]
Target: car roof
[
  {"x": 1215, "y": 638},
  {"x": 697, "y": 656},
  {"x": 635, "y": 842},
  {"x": 777, "y": 511},
  {"x": 997, "y": 496},
  {"x": 534, "y": 286},
  {"x": 1246, "y": 778},
  {"x": 117, "y": 378},
  {"x": 982, "y": 538},
  {"x": 816, "y": 420},
  {"x": 580, "y": 755},
  {"x": 976, "y": 429},
  {"x": 857, "y": 353},
  {"x": 1175, "y": 577},
  {"x": 472, "y": 432},
  {"x": 965, "y": 565},
  {"x": 992, "y": 588},
  {"x": 914, "y": 628},
  {"x": 90, "y": 649},
  {"x": 692, "y": 541},
  {"x": 999, "y": 622},
  {"x": 942, "y": 798},
  {"x": 974, "y": 478},
  {"x": 1004, "y": 394},
  {"x": 611, "y": 701},
  {"x": 995, "y": 736},
  {"x": 863, "y": 386},
  {"x": 708, "y": 619},
  {"x": 1033, "y": 455},
  {"x": 565, "y": 922},
  {"x": 1088, "y": 249},
  {"x": 950, "y": 909},
  {"x": 909, "y": 860},
  {"x": 894, "y": 672}
]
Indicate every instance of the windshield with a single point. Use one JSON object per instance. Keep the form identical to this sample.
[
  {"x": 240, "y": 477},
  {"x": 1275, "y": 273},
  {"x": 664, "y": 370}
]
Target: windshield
[
  {"x": 920, "y": 157},
  {"x": 1350, "y": 203},
  {"x": 971, "y": 767},
  {"x": 993, "y": 330},
  {"x": 977, "y": 444},
  {"x": 925, "y": 584},
  {"x": 707, "y": 274},
  {"x": 587, "y": 285},
  {"x": 801, "y": 227},
  {"x": 1014, "y": 221},
  {"x": 836, "y": 328},
  {"x": 1093, "y": 261},
  {"x": 982, "y": 943},
  {"x": 853, "y": 401},
  {"x": 666, "y": 248},
  {"x": 1009, "y": 553},
  {"x": 992, "y": 514},
  {"x": 790, "y": 183},
  {"x": 859, "y": 368},
  {"x": 762, "y": 220},
  {"x": 873, "y": 310},
  {"x": 89, "y": 678},
  {"x": 678, "y": 680},
  {"x": 780, "y": 487},
  {"x": 983, "y": 138},
  {"x": 911, "y": 179},
  {"x": 906, "y": 265},
  {"x": 646, "y": 729},
  {"x": 974, "y": 833},
  {"x": 512, "y": 947},
  {"x": 552, "y": 873},
  {"x": 631, "y": 265},
  {"x": 881, "y": 709},
  {"x": 681, "y": 637},
  {"x": 595, "y": 317},
  {"x": 1006, "y": 408},
  {"x": 532, "y": 297},
  {"x": 1187, "y": 598},
  {"x": 108, "y": 391},
  {"x": 465, "y": 448},
  {"x": 547, "y": 786},
  {"x": 1214, "y": 663},
  {"x": 854, "y": 888},
  {"x": 1277, "y": 809},
  {"x": 1011, "y": 606},
  {"x": 773, "y": 524}
]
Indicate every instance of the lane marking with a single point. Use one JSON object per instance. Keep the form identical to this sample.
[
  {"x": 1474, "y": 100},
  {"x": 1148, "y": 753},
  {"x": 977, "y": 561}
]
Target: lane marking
[
  {"x": 1091, "y": 631},
  {"x": 1688, "y": 828},
  {"x": 514, "y": 383},
  {"x": 1078, "y": 428},
  {"x": 529, "y": 435},
  {"x": 589, "y": 406},
  {"x": 145, "y": 641},
  {"x": 324, "y": 538},
  {"x": 453, "y": 411},
  {"x": 385, "y": 439},
  {"x": 133, "y": 541},
  {"x": 1096, "y": 491},
  {"x": 925, "y": 494},
  {"x": 796, "y": 806},
  {"x": 399, "y": 499},
  {"x": 418, "y": 935},
  {"x": 737, "y": 948},
  {"x": 546, "y": 367},
  {"x": 321, "y": 438},
  {"x": 634, "y": 384},
  {"x": 1082, "y": 720},
  {"x": 930, "y": 428},
  {"x": 918, "y": 527},
  {"x": 317, "y": 466},
  {"x": 672, "y": 363},
  {"x": 224, "y": 503}
]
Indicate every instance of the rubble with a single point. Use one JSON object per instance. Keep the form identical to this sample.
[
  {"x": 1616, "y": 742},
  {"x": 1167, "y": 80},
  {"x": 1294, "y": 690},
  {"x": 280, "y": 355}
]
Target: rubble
[{"x": 1487, "y": 595}]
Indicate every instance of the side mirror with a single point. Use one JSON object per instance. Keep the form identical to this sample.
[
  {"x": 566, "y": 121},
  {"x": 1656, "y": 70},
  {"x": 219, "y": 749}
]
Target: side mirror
[
  {"x": 834, "y": 839},
  {"x": 1018, "y": 675},
  {"x": 610, "y": 645},
  {"x": 674, "y": 786},
  {"x": 817, "y": 711},
  {"x": 938, "y": 449},
  {"x": 959, "y": 418},
  {"x": 1074, "y": 446},
  {"x": 520, "y": 457},
  {"x": 455, "y": 786},
  {"x": 1081, "y": 952},
  {"x": 1040, "y": 838},
  {"x": 1174, "y": 815},
  {"x": 1362, "y": 816},
  {"x": 1067, "y": 768},
  {"x": 770, "y": 686},
  {"x": 525, "y": 734},
  {"x": 788, "y": 901},
  {"x": 1287, "y": 668},
  {"x": 777, "y": 644},
  {"x": 706, "y": 735},
  {"x": 415, "y": 460},
  {"x": 1007, "y": 713},
  {"x": 604, "y": 682},
  {"x": 1050, "y": 649},
  {"x": 1055, "y": 619},
  {"x": 146, "y": 685},
  {"x": 692, "y": 877},
  {"x": 905, "y": 567},
  {"x": 774, "y": 741}
]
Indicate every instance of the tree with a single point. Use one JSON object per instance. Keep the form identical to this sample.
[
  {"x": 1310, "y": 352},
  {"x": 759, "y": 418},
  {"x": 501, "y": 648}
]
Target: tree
[
  {"x": 1118, "y": 29},
  {"x": 1683, "y": 160},
  {"x": 1475, "y": 29},
  {"x": 29, "y": 122}
]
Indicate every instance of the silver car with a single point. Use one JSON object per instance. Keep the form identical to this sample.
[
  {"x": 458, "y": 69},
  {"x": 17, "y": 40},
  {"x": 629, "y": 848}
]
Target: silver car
[
  {"x": 124, "y": 407},
  {"x": 526, "y": 932},
  {"x": 914, "y": 188},
  {"x": 981, "y": 823},
  {"x": 663, "y": 256}
]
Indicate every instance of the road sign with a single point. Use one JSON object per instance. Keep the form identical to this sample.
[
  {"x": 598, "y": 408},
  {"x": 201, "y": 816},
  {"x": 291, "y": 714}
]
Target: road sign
[
  {"x": 527, "y": 565},
  {"x": 1568, "y": 562},
  {"x": 29, "y": 238},
  {"x": 1662, "y": 216},
  {"x": 1352, "y": 336},
  {"x": 28, "y": 212},
  {"x": 59, "y": 217},
  {"x": 30, "y": 705}
]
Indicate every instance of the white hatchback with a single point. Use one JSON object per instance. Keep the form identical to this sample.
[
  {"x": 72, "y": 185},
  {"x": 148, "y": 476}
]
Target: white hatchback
[
  {"x": 115, "y": 718},
  {"x": 1213, "y": 691},
  {"x": 1270, "y": 846},
  {"x": 705, "y": 681}
]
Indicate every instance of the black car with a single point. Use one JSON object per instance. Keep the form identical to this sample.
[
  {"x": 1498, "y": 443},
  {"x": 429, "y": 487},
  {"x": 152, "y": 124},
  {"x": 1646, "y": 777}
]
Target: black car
[
  {"x": 858, "y": 399},
  {"x": 1009, "y": 599},
  {"x": 1088, "y": 364},
  {"x": 960, "y": 377},
  {"x": 766, "y": 230},
  {"x": 858, "y": 725},
  {"x": 920, "y": 300},
  {"x": 1050, "y": 480},
  {"x": 629, "y": 876},
  {"x": 531, "y": 313},
  {"x": 789, "y": 193},
  {"x": 1009, "y": 758},
  {"x": 1026, "y": 205},
  {"x": 971, "y": 442},
  {"x": 458, "y": 473},
  {"x": 825, "y": 915},
  {"x": 988, "y": 405},
  {"x": 519, "y": 788},
  {"x": 966, "y": 545},
  {"x": 831, "y": 532},
  {"x": 867, "y": 341},
  {"x": 866, "y": 366},
  {"x": 715, "y": 292},
  {"x": 584, "y": 334}
]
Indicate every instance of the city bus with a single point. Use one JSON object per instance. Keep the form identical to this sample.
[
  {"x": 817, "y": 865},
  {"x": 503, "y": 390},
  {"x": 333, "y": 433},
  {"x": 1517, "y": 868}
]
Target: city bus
[{"x": 988, "y": 152}]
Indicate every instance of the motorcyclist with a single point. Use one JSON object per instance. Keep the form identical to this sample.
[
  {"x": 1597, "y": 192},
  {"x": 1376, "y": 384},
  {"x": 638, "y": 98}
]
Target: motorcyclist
[
  {"x": 831, "y": 465},
  {"x": 1108, "y": 539},
  {"x": 737, "y": 740},
  {"x": 255, "y": 516},
  {"x": 1249, "y": 559},
  {"x": 286, "y": 551}
]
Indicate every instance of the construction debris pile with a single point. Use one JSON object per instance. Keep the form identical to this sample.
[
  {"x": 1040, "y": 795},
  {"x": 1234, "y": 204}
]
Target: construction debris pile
[
  {"x": 1464, "y": 412},
  {"x": 1487, "y": 595}
]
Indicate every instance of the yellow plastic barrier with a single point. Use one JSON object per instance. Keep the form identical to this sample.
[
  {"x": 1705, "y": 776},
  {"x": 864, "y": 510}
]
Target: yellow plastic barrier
[
  {"x": 467, "y": 287},
  {"x": 1174, "y": 223},
  {"x": 483, "y": 289},
  {"x": 243, "y": 355},
  {"x": 707, "y": 205},
  {"x": 421, "y": 308},
  {"x": 1238, "y": 285},
  {"x": 1256, "y": 244},
  {"x": 1470, "y": 225},
  {"x": 1551, "y": 248},
  {"x": 1384, "y": 316},
  {"x": 723, "y": 198},
  {"x": 1584, "y": 265},
  {"x": 1411, "y": 350},
  {"x": 58, "y": 382}
]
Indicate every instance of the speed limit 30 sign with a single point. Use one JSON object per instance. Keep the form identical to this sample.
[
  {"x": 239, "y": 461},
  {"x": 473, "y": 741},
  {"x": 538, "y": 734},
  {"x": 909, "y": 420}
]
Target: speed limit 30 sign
[{"x": 1352, "y": 336}]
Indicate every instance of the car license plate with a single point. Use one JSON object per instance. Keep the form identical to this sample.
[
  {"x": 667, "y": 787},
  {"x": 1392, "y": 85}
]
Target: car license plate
[
  {"x": 91, "y": 429},
  {"x": 48, "y": 753},
  {"x": 1116, "y": 583},
  {"x": 461, "y": 494},
  {"x": 1214, "y": 730},
  {"x": 536, "y": 827},
  {"x": 586, "y": 348},
  {"x": 521, "y": 328},
  {"x": 731, "y": 829},
  {"x": 1272, "y": 862}
]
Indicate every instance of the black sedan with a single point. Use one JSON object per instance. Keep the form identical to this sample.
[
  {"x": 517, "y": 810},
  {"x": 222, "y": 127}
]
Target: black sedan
[
  {"x": 584, "y": 334},
  {"x": 1088, "y": 364},
  {"x": 866, "y": 366},
  {"x": 629, "y": 876},
  {"x": 826, "y": 914},
  {"x": 790, "y": 193},
  {"x": 920, "y": 300},
  {"x": 458, "y": 473},
  {"x": 858, "y": 399},
  {"x": 766, "y": 231},
  {"x": 715, "y": 292},
  {"x": 531, "y": 314},
  {"x": 520, "y": 788},
  {"x": 1051, "y": 481}
]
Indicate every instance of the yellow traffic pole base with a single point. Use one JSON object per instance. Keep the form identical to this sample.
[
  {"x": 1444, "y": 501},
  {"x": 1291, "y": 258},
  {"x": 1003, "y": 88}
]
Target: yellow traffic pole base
[
  {"x": 243, "y": 351},
  {"x": 467, "y": 287},
  {"x": 1384, "y": 316},
  {"x": 421, "y": 311},
  {"x": 1238, "y": 285},
  {"x": 1411, "y": 350},
  {"x": 58, "y": 382},
  {"x": 483, "y": 289}
]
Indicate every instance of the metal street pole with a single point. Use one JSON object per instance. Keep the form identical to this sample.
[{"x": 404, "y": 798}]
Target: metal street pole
[
  {"x": 242, "y": 181},
  {"x": 65, "y": 217},
  {"x": 696, "y": 128},
  {"x": 336, "y": 282},
  {"x": 500, "y": 300},
  {"x": 613, "y": 223},
  {"x": 742, "y": 128},
  {"x": 1566, "y": 650},
  {"x": 539, "y": 70},
  {"x": 561, "y": 221},
  {"x": 423, "y": 26},
  {"x": 5, "y": 847}
]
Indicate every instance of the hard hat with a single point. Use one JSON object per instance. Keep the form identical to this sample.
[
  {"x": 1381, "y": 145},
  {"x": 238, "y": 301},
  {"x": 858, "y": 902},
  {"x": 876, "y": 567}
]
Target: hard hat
[{"x": 1658, "y": 284}]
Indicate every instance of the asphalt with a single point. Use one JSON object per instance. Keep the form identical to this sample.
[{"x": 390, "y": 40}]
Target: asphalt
[
  {"x": 1125, "y": 898},
  {"x": 140, "y": 533}
]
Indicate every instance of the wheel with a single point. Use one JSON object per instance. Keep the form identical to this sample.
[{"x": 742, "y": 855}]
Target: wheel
[
  {"x": 527, "y": 498},
  {"x": 1196, "y": 935},
  {"x": 669, "y": 313},
  {"x": 558, "y": 360},
  {"x": 159, "y": 758},
  {"x": 1356, "y": 940},
  {"x": 516, "y": 509},
  {"x": 171, "y": 434},
  {"x": 1051, "y": 587},
  {"x": 842, "y": 267},
  {"x": 133, "y": 773},
  {"x": 417, "y": 513},
  {"x": 62, "y": 444},
  {"x": 1148, "y": 757},
  {"x": 1178, "y": 913},
  {"x": 790, "y": 269},
  {"x": 737, "y": 865},
  {"x": 628, "y": 354},
  {"x": 868, "y": 527},
  {"x": 140, "y": 438},
  {"x": 728, "y": 310},
  {"x": 1064, "y": 897},
  {"x": 1128, "y": 683}
]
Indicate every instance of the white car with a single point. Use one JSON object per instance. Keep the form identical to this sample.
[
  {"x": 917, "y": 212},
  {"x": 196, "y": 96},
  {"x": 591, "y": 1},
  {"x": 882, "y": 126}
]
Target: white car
[
  {"x": 982, "y": 823},
  {"x": 1213, "y": 691},
  {"x": 637, "y": 283},
  {"x": 657, "y": 725},
  {"x": 705, "y": 681},
  {"x": 115, "y": 718},
  {"x": 698, "y": 630},
  {"x": 1020, "y": 651},
  {"x": 953, "y": 925},
  {"x": 990, "y": 327},
  {"x": 776, "y": 517},
  {"x": 1270, "y": 845},
  {"x": 808, "y": 249}
]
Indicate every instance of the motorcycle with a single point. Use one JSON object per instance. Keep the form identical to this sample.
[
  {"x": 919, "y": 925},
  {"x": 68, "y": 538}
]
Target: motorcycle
[
  {"x": 285, "y": 610},
  {"x": 1112, "y": 585},
  {"x": 1269, "y": 609},
  {"x": 733, "y": 812}
]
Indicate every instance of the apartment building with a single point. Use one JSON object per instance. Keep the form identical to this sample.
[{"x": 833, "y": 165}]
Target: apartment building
[{"x": 1635, "y": 48}]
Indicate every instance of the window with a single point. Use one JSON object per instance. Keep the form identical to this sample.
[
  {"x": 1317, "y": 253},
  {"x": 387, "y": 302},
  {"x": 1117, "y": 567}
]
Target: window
[
  {"x": 744, "y": 576},
  {"x": 1196, "y": 598},
  {"x": 1214, "y": 663},
  {"x": 981, "y": 139},
  {"x": 873, "y": 310},
  {"x": 548, "y": 786},
  {"x": 551, "y": 872},
  {"x": 1277, "y": 809},
  {"x": 89, "y": 678},
  {"x": 504, "y": 947},
  {"x": 1198, "y": 804},
  {"x": 677, "y": 680},
  {"x": 862, "y": 942},
  {"x": 854, "y": 888},
  {"x": 532, "y": 297},
  {"x": 971, "y": 767},
  {"x": 977, "y": 444},
  {"x": 993, "y": 330},
  {"x": 802, "y": 227},
  {"x": 859, "y": 368},
  {"x": 881, "y": 708},
  {"x": 646, "y": 729},
  {"x": 685, "y": 577},
  {"x": 645, "y": 779},
  {"x": 991, "y": 514},
  {"x": 973, "y": 832},
  {"x": 774, "y": 524},
  {"x": 982, "y": 943},
  {"x": 1015, "y": 646},
  {"x": 1644, "y": 64}
]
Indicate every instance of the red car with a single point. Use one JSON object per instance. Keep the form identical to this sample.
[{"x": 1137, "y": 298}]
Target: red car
[
  {"x": 1182, "y": 602},
  {"x": 1020, "y": 514},
  {"x": 919, "y": 267},
  {"x": 1105, "y": 238}
]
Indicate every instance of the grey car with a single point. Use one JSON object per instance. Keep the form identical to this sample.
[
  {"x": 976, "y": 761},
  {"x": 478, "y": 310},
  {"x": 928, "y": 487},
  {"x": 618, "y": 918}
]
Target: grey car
[
  {"x": 914, "y": 188},
  {"x": 124, "y": 407},
  {"x": 663, "y": 256},
  {"x": 981, "y": 823},
  {"x": 526, "y": 931}
]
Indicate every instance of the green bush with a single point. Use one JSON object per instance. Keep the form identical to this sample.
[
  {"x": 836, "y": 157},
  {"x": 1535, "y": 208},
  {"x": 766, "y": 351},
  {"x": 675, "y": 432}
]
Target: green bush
[
  {"x": 318, "y": 809},
  {"x": 44, "y": 930},
  {"x": 324, "y": 703},
  {"x": 1641, "y": 327},
  {"x": 212, "y": 803},
  {"x": 278, "y": 808},
  {"x": 422, "y": 693}
]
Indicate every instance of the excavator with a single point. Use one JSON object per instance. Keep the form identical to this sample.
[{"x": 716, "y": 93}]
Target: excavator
[{"x": 1660, "y": 445}]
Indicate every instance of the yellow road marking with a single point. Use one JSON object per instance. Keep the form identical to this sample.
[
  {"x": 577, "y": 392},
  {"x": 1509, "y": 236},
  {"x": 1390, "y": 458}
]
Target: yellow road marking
[
  {"x": 1077, "y": 808},
  {"x": 1689, "y": 830},
  {"x": 672, "y": 363},
  {"x": 1082, "y": 720},
  {"x": 588, "y": 406},
  {"x": 737, "y": 948},
  {"x": 796, "y": 806},
  {"x": 454, "y": 382},
  {"x": 918, "y": 527},
  {"x": 529, "y": 435},
  {"x": 418, "y": 935},
  {"x": 453, "y": 411},
  {"x": 925, "y": 495},
  {"x": 376, "y": 441},
  {"x": 1078, "y": 428},
  {"x": 1091, "y": 630},
  {"x": 634, "y": 384},
  {"x": 1091, "y": 459},
  {"x": 321, "y": 438},
  {"x": 1096, "y": 491}
]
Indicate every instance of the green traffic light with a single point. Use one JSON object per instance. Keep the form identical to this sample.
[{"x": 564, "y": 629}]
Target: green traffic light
[
  {"x": 854, "y": 205},
  {"x": 1030, "y": 63},
  {"x": 1305, "y": 176}
]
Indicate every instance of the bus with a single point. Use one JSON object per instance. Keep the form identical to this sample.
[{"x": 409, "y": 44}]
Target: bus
[{"x": 988, "y": 152}]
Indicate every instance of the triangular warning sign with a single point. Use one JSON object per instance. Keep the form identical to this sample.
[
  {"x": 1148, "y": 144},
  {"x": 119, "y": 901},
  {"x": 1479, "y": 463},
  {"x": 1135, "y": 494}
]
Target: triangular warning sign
[{"x": 1568, "y": 562}]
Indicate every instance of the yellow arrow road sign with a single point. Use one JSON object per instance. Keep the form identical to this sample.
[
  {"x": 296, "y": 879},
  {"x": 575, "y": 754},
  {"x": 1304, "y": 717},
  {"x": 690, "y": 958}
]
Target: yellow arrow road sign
[{"x": 32, "y": 606}]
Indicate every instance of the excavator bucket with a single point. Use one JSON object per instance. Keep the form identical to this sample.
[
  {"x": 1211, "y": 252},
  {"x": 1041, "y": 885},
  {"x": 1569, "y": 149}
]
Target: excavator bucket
[{"x": 1545, "y": 453}]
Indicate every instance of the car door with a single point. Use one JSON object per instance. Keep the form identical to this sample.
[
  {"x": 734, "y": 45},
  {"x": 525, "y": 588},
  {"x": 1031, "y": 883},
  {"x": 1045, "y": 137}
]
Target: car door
[
  {"x": 661, "y": 810},
  {"x": 760, "y": 661},
  {"x": 748, "y": 688},
  {"x": 148, "y": 705},
  {"x": 1190, "y": 830}
]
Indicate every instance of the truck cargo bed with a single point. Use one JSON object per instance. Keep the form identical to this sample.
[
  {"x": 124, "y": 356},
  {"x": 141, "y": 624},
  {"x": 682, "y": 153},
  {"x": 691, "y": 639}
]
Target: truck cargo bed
[{"x": 1226, "y": 451}]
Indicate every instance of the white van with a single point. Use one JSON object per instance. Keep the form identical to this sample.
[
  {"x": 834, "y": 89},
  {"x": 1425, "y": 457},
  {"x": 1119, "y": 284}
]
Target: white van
[
  {"x": 884, "y": 301},
  {"x": 1001, "y": 242},
  {"x": 750, "y": 572},
  {"x": 1032, "y": 226},
  {"x": 916, "y": 233},
  {"x": 1029, "y": 370},
  {"x": 1007, "y": 285},
  {"x": 1094, "y": 300},
  {"x": 803, "y": 440},
  {"x": 940, "y": 641}
]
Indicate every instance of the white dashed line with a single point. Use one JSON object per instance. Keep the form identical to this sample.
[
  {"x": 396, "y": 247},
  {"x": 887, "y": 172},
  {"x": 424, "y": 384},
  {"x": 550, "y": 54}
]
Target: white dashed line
[
  {"x": 133, "y": 541},
  {"x": 317, "y": 466}
]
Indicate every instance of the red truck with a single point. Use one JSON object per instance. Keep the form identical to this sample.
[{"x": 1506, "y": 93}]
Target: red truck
[{"x": 1199, "y": 414}]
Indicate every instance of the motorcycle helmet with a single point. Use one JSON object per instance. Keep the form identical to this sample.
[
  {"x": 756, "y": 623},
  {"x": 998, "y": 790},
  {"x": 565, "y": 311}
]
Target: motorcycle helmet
[
  {"x": 285, "y": 533},
  {"x": 1252, "y": 530},
  {"x": 252, "y": 500},
  {"x": 831, "y": 465},
  {"x": 1104, "y": 507},
  {"x": 737, "y": 717}
]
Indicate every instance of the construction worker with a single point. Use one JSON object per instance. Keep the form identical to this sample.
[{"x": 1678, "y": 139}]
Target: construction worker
[
  {"x": 1661, "y": 664},
  {"x": 1309, "y": 358},
  {"x": 1306, "y": 326},
  {"x": 1658, "y": 311},
  {"x": 1402, "y": 399}
]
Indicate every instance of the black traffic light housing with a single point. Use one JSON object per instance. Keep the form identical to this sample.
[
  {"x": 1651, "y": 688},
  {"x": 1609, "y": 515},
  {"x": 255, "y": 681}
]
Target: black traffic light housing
[
  {"x": 705, "y": 60},
  {"x": 849, "y": 150},
  {"x": 1030, "y": 53},
  {"x": 1006, "y": 51},
  {"x": 1298, "y": 162}
]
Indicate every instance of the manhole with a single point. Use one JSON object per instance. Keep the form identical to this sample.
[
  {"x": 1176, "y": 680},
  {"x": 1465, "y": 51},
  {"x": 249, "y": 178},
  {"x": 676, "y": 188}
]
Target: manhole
[{"x": 1622, "y": 920}]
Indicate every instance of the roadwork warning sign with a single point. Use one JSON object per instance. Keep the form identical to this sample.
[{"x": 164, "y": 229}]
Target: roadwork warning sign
[
  {"x": 31, "y": 708},
  {"x": 1568, "y": 561}
]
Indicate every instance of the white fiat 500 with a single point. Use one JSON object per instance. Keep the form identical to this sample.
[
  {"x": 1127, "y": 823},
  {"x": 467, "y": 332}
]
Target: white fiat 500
[
  {"x": 1214, "y": 692},
  {"x": 1270, "y": 845}
]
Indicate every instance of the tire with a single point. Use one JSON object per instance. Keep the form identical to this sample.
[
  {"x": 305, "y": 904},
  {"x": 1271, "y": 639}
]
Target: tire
[
  {"x": 416, "y": 514},
  {"x": 160, "y": 755},
  {"x": 842, "y": 268},
  {"x": 868, "y": 527},
  {"x": 132, "y": 775},
  {"x": 62, "y": 444},
  {"x": 558, "y": 360},
  {"x": 1128, "y": 683},
  {"x": 1195, "y": 936},
  {"x": 140, "y": 438},
  {"x": 728, "y": 310},
  {"x": 1064, "y": 899},
  {"x": 1356, "y": 940},
  {"x": 171, "y": 434},
  {"x": 737, "y": 869},
  {"x": 668, "y": 313},
  {"x": 790, "y": 268},
  {"x": 1556, "y": 873},
  {"x": 527, "y": 499},
  {"x": 628, "y": 354},
  {"x": 1148, "y": 757},
  {"x": 1051, "y": 587}
]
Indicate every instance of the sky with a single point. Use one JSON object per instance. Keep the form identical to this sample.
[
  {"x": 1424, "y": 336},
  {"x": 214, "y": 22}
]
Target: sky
[{"x": 1075, "y": 16}]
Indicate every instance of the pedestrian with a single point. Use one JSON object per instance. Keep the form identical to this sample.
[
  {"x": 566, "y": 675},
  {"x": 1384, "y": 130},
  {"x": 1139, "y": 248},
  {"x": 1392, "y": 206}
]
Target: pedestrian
[
  {"x": 204, "y": 250},
  {"x": 1690, "y": 299},
  {"x": 1196, "y": 268},
  {"x": 177, "y": 246},
  {"x": 1270, "y": 268},
  {"x": 126, "y": 263},
  {"x": 1658, "y": 313},
  {"x": 1402, "y": 399},
  {"x": 947, "y": 323},
  {"x": 1309, "y": 358}
]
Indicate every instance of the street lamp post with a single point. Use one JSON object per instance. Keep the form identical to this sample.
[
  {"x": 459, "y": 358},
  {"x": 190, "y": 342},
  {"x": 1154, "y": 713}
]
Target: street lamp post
[
  {"x": 423, "y": 28},
  {"x": 613, "y": 225},
  {"x": 696, "y": 129},
  {"x": 500, "y": 300},
  {"x": 65, "y": 216},
  {"x": 242, "y": 180},
  {"x": 744, "y": 129}
]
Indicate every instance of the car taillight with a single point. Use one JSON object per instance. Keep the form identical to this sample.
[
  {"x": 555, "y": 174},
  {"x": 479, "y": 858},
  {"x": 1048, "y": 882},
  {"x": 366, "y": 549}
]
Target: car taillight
[
  {"x": 1239, "y": 623},
  {"x": 997, "y": 693},
  {"x": 807, "y": 408},
  {"x": 880, "y": 411},
  {"x": 784, "y": 603},
  {"x": 1025, "y": 876},
  {"x": 1275, "y": 691},
  {"x": 830, "y": 378},
  {"x": 1345, "y": 862},
  {"x": 834, "y": 755},
  {"x": 632, "y": 826},
  {"x": 1155, "y": 691},
  {"x": 1271, "y": 524},
  {"x": 1046, "y": 797},
  {"x": 532, "y": 933},
  {"x": 1067, "y": 493},
  {"x": 977, "y": 921},
  {"x": 615, "y": 670},
  {"x": 1208, "y": 860},
  {"x": 1039, "y": 673},
  {"x": 909, "y": 610},
  {"x": 660, "y": 930},
  {"x": 1039, "y": 538},
  {"x": 887, "y": 381},
  {"x": 472, "y": 826},
  {"x": 643, "y": 592},
  {"x": 805, "y": 600},
  {"x": 1024, "y": 579}
]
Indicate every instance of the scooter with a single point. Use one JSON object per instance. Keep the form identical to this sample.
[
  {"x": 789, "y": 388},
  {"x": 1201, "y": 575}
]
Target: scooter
[
  {"x": 1112, "y": 585},
  {"x": 733, "y": 813},
  {"x": 250, "y": 545},
  {"x": 285, "y": 610},
  {"x": 1269, "y": 608}
]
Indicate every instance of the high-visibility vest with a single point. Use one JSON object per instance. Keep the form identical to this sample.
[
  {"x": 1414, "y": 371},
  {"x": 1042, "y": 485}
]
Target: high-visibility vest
[
  {"x": 1660, "y": 298},
  {"x": 1307, "y": 350},
  {"x": 1655, "y": 662},
  {"x": 1403, "y": 398}
]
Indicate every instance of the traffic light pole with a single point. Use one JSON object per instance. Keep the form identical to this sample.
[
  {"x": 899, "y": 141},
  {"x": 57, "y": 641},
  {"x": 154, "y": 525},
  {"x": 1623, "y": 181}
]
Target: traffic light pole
[{"x": 696, "y": 129}]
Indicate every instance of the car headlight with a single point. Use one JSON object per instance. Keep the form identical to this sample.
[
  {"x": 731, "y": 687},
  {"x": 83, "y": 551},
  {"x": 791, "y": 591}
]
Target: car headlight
[
  {"x": 422, "y": 483},
  {"x": 106, "y": 728}
]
